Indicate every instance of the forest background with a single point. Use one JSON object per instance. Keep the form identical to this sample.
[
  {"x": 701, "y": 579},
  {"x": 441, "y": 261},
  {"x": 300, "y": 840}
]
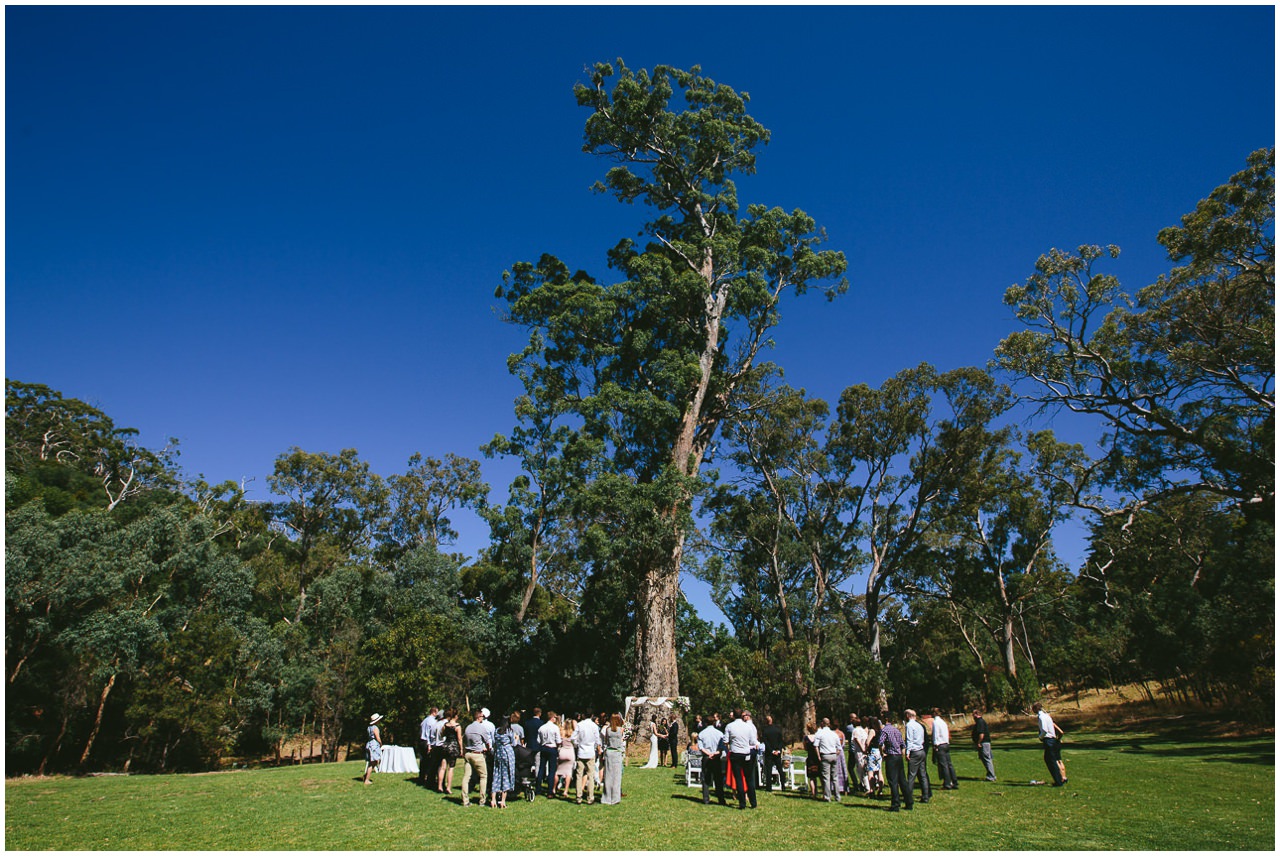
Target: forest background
[{"x": 894, "y": 543}]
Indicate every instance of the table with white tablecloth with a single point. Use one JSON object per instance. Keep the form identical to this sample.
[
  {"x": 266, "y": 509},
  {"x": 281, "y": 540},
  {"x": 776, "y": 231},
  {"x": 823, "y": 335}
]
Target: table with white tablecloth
[{"x": 398, "y": 759}]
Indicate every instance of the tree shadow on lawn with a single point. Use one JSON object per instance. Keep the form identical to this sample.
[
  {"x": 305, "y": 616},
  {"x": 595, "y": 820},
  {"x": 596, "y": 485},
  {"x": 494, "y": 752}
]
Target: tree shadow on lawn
[{"x": 1259, "y": 752}]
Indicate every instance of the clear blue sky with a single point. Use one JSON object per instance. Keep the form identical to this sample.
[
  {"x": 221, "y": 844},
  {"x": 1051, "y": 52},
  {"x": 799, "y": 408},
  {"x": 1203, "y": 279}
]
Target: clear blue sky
[{"x": 254, "y": 228}]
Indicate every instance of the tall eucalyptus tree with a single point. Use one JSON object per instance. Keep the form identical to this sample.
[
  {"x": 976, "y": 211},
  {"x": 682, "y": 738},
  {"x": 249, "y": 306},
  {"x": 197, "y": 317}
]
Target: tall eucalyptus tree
[{"x": 651, "y": 364}]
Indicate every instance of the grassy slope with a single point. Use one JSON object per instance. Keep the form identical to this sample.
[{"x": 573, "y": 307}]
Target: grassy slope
[{"x": 1127, "y": 790}]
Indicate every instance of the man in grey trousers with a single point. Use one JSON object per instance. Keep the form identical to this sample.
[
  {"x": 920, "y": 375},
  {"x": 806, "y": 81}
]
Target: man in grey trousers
[{"x": 982, "y": 740}]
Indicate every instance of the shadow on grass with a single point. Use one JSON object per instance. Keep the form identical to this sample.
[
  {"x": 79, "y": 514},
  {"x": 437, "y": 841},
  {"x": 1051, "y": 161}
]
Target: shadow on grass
[
  {"x": 868, "y": 805},
  {"x": 696, "y": 799},
  {"x": 1260, "y": 752}
]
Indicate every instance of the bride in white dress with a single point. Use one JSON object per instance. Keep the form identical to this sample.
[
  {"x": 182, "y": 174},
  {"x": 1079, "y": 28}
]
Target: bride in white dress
[{"x": 653, "y": 745}]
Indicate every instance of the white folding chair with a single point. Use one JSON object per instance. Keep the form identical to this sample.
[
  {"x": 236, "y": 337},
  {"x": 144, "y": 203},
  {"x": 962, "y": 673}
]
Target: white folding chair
[{"x": 692, "y": 770}]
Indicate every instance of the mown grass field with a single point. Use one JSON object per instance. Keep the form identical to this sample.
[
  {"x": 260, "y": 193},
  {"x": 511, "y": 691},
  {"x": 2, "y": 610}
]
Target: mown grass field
[{"x": 1126, "y": 791}]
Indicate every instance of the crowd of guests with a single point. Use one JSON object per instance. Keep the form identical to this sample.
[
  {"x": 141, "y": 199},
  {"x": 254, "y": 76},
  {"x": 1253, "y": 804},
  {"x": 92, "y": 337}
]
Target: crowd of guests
[
  {"x": 861, "y": 758},
  {"x": 553, "y": 757},
  {"x": 583, "y": 754}
]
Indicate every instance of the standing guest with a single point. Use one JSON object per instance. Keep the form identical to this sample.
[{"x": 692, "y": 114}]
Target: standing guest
[
  {"x": 517, "y": 729},
  {"x": 565, "y": 756},
  {"x": 982, "y": 742},
  {"x": 812, "y": 760},
  {"x": 450, "y": 748},
  {"x": 549, "y": 741},
  {"x": 709, "y": 739},
  {"x": 426, "y": 739},
  {"x": 858, "y": 756},
  {"x": 743, "y": 741},
  {"x": 477, "y": 747},
  {"x": 663, "y": 735},
  {"x": 1049, "y": 736},
  {"x": 602, "y": 722},
  {"x": 875, "y": 778},
  {"x": 827, "y": 743},
  {"x": 917, "y": 757},
  {"x": 492, "y": 729},
  {"x": 673, "y": 739},
  {"x": 892, "y": 748},
  {"x": 372, "y": 747},
  {"x": 532, "y": 724},
  {"x": 586, "y": 744},
  {"x": 942, "y": 752},
  {"x": 614, "y": 752},
  {"x": 504, "y": 761},
  {"x": 850, "y": 746},
  {"x": 771, "y": 736}
]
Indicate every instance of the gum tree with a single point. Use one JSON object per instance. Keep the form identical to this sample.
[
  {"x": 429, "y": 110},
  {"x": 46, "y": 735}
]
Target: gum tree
[{"x": 651, "y": 363}]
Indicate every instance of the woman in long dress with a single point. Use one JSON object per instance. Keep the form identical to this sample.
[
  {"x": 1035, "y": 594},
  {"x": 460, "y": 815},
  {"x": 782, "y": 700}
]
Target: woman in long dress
[
  {"x": 504, "y": 764},
  {"x": 373, "y": 747},
  {"x": 564, "y": 757},
  {"x": 614, "y": 751},
  {"x": 653, "y": 745}
]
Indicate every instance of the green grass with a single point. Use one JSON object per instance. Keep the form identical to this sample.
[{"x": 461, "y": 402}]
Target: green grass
[{"x": 1126, "y": 791}]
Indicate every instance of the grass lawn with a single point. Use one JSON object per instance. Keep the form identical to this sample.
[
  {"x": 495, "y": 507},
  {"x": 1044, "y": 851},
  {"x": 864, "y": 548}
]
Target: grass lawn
[{"x": 1126, "y": 791}]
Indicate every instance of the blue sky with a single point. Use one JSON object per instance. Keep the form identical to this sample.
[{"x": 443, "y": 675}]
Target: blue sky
[{"x": 254, "y": 228}]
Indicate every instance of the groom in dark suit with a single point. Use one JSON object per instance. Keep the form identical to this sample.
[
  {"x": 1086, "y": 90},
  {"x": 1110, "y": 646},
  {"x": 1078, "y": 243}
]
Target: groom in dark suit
[{"x": 673, "y": 739}]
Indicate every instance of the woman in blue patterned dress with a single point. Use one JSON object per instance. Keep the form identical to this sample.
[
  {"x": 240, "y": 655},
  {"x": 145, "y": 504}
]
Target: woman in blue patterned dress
[
  {"x": 373, "y": 748},
  {"x": 504, "y": 764}
]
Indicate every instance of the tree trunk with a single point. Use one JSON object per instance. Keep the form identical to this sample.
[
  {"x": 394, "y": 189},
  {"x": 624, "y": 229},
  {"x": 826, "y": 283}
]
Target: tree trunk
[
  {"x": 1010, "y": 648},
  {"x": 809, "y": 709},
  {"x": 656, "y": 671},
  {"x": 97, "y": 720},
  {"x": 57, "y": 744},
  {"x": 533, "y": 574},
  {"x": 874, "y": 581}
]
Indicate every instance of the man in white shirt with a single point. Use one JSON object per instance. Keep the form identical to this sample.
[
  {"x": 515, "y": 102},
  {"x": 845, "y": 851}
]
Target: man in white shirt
[
  {"x": 942, "y": 751},
  {"x": 1049, "y": 733},
  {"x": 586, "y": 744},
  {"x": 426, "y": 736},
  {"x": 827, "y": 742},
  {"x": 742, "y": 742},
  {"x": 709, "y": 740},
  {"x": 549, "y": 741},
  {"x": 917, "y": 760},
  {"x": 858, "y": 738}
]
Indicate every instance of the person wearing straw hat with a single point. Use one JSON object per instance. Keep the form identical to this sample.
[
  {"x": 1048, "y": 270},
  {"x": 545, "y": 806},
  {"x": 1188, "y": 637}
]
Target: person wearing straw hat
[{"x": 372, "y": 748}]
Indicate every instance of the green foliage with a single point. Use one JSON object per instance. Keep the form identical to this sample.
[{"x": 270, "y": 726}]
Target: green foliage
[
  {"x": 1182, "y": 374},
  {"x": 73, "y": 455},
  {"x": 1198, "y": 618},
  {"x": 421, "y": 660}
]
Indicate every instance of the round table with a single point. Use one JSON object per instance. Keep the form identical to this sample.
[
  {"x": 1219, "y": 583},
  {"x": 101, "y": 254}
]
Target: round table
[{"x": 398, "y": 759}]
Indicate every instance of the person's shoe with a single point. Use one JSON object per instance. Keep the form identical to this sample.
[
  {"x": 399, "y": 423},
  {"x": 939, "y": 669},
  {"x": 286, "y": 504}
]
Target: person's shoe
[{"x": 894, "y": 808}]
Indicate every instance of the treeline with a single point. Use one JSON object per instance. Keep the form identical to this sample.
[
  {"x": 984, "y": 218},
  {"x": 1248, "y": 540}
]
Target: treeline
[{"x": 892, "y": 547}]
